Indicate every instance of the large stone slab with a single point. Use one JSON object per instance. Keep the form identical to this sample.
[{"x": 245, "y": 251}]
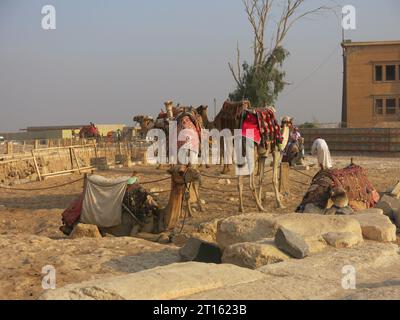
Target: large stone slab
[
  {"x": 377, "y": 227},
  {"x": 253, "y": 255},
  {"x": 163, "y": 283},
  {"x": 372, "y": 210},
  {"x": 245, "y": 228},
  {"x": 199, "y": 250},
  {"x": 389, "y": 205},
  {"x": 309, "y": 225},
  {"x": 396, "y": 219},
  {"x": 292, "y": 244},
  {"x": 342, "y": 240},
  {"x": 396, "y": 191},
  {"x": 210, "y": 229},
  {"x": 312, "y": 227},
  {"x": 318, "y": 277}
]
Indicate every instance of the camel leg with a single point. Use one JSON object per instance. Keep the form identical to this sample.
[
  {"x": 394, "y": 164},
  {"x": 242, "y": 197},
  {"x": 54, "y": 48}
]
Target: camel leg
[
  {"x": 196, "y": 192},
  {"x": 189, "y": 208},
  {"x": 275, "y": 179},
  {"x": 255, "y": 195},
  {"x": 240, "y": 187},
  {"x": 261, "y": 165}
]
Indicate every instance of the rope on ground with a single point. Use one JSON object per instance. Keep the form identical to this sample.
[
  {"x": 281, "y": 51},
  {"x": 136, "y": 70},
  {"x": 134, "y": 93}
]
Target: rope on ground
[
  {"x": 217, "y": 177},
  {"x": 304, "y": 174},
  {"x": 303, "y": 183},
  {"x": 155, "y": 181},
  {"x": 44, "y": 188},
  {"x": 158, "y": 192},
  {"x": 226, "y": 177}
]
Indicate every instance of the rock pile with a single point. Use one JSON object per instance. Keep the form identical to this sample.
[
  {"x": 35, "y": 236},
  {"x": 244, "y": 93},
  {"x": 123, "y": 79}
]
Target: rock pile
[{"x": 256, "y": 240}]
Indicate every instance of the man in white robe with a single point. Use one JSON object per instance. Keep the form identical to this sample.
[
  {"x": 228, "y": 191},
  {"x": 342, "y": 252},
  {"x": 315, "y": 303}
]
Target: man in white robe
[{"x": 321, "y": 150}]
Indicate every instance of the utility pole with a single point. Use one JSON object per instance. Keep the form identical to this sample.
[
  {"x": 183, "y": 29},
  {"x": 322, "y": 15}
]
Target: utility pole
[
  {"x": 215, "y": 108},
  {"x": 344, "y": 92}
]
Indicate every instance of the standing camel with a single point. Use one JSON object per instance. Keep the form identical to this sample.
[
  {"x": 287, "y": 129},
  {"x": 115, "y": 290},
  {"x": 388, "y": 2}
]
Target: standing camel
[
  {"x": 228, "y": 118},
  {"x": 272, "y": 141},
  {"x": 269, "y": 138}
]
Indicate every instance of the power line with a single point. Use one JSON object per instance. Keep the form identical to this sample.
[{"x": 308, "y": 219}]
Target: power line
[{"x": 323, "y": 63}]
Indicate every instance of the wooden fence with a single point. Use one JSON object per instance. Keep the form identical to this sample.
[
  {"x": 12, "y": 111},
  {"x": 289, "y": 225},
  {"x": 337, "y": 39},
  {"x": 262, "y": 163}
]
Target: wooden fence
[{"x": 356, "y": 140}]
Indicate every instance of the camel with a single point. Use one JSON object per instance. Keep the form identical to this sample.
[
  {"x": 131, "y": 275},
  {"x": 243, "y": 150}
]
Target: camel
[
  {"x": 145, "y": 214},
  {"x": 89, "y": 132},
  {"x": 339, "y": 191},
  {"x": 269, "y": 146},
  {"x": 230, "y": 117},
  {"x": 146, "y": 123},
  {"x": 186, "y": 118},
  {"x": 293, "y": 153}
]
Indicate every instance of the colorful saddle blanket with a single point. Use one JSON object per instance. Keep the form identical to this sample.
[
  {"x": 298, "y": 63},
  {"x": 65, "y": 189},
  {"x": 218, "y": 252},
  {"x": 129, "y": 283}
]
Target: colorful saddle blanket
[
  {"x": 353, "y": 180},
  {"x": 261, "y": 126}
]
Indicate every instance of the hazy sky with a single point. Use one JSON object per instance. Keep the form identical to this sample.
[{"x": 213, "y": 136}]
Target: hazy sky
[{"x": 110, "y": 60}]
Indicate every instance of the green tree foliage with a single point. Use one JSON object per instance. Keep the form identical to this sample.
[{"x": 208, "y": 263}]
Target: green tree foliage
[{"x": 262, "y": 84}]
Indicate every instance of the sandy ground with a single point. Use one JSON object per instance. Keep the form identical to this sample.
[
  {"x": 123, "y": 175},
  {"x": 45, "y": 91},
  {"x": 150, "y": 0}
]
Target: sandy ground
[{"x": 30, "y": 239}]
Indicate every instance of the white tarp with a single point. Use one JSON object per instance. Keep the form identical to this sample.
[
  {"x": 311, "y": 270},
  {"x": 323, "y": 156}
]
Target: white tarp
[{"x": 102, "y": 204}]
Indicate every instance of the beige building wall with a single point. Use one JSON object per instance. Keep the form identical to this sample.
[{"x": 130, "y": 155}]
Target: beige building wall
[
  {"x": 362, "y": 89},
  {"x": 106, "y": 128},
  {"x": 58, "y": 133}
]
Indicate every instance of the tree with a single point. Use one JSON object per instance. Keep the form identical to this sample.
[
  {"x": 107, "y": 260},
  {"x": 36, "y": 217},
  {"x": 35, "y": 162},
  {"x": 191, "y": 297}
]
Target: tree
[{"x": 262, "y": 81}]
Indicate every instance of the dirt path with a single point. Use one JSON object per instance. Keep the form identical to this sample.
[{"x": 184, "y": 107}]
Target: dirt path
[{"x": 30, "y": 239}]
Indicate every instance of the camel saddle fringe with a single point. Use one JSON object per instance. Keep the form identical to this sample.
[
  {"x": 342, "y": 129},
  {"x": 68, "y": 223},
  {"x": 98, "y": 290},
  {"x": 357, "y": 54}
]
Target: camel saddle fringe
[
  {"x": 353, "y": 180},
  {"x": 263, "y": 122},
  {"x": 139, "y": 201}
]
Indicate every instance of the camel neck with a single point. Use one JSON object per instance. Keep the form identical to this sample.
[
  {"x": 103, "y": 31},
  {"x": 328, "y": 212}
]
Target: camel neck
[{"x": 174, "y": 206}]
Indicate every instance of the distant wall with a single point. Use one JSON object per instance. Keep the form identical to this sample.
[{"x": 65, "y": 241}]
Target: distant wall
[
  {"x": 35, "y": 135},
  {"x": 357, "y": 140},
  {"x": 106, "y": 128}
]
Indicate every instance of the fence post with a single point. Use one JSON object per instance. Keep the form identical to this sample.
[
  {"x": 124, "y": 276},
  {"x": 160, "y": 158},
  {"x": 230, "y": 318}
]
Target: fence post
[
  {"x": 36, "y": 165},
  {"x": 9, "y": 148},
  {"x": 284, "y": 178}
]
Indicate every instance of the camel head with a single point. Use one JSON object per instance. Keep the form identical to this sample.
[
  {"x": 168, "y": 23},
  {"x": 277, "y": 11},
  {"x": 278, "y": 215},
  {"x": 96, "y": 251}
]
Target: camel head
[
  {"x": 145, "y": 122},
  {"x": 203, "y": 111},
  {"x": 286, "y": 125},
  {"x": 287, "y": 122},
  {"x": 182, "y": 174}
]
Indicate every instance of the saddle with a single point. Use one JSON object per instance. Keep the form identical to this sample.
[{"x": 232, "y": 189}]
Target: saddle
[
  {"x": 353, "y": 180},
  {"x": 264, "y": 125}
]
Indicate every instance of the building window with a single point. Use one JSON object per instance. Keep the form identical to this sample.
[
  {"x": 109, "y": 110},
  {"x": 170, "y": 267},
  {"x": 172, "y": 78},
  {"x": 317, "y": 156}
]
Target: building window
[
  {"x": 378, "y": 73},
  {"x": 390, "y": 106},
  {"x": 379, "y": 106},
  {"x": 391, "y": 73}
]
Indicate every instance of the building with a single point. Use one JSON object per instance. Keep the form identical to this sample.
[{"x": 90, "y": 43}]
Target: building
[
  {"x": 58, "y": 132},
  {"x": 371, "y": 88}
]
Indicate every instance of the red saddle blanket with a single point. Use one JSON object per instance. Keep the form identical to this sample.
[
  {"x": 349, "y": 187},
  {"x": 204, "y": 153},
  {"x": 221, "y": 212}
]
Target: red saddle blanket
[
  {"x": 72, "y": 214},
  {"x": 263, "y": 126}
]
